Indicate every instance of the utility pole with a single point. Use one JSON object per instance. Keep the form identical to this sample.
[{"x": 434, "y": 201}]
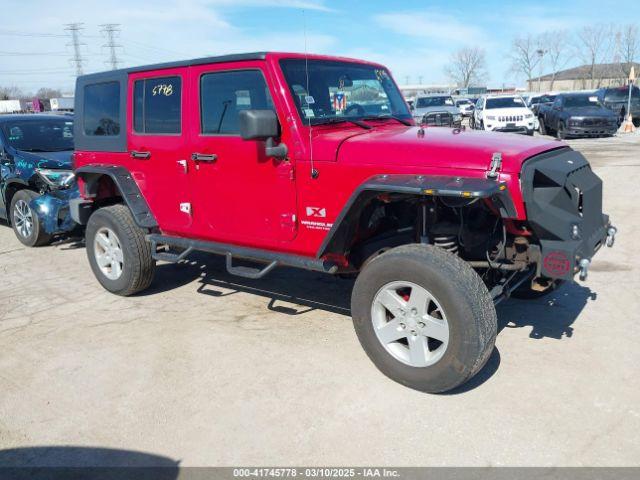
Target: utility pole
[
  {"x": 111, "y": 31},
  {"x": 541, "y": 53},
  {"x": 74, "y": 29},
  {"x": 420, "y": 79},
  {"x": 406, "y": 80}
]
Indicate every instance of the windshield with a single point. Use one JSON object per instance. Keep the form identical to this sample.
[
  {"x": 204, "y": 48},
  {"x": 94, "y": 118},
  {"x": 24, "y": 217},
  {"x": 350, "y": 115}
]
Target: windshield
[
  {"x": 581, "y": 101},
  {"x": 425, "y": 102},
  {"x": 50, "y": 135},
  {"x": 505, "y": 102},
  {"x": 342, "y": 91}
]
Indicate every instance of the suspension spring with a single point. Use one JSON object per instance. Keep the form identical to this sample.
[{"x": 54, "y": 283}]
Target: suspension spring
[{"x": 446, "y": 242}]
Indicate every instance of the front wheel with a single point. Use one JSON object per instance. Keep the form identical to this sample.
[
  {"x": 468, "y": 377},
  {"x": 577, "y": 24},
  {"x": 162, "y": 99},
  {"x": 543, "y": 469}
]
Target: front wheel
[
  {"x": 25, "y": 222},
  {"x": 541, "y": 128},
  {"x": 424, "y": 317},
  {"x": 561, "y": 133},
  {"x": 119, "y": 255}
]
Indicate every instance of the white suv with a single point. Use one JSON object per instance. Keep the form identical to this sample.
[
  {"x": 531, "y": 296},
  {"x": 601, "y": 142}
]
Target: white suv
[{"x": 503, "y": 113}]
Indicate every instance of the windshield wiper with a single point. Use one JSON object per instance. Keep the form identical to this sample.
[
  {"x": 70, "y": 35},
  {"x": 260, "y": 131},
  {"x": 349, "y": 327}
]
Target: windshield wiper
[
  {"x": 392, "y": 117},
  {"x": 328, "y": 121}
]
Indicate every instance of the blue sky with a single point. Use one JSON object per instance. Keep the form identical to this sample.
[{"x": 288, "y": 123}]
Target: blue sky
[{"x": 413, "y": 38}]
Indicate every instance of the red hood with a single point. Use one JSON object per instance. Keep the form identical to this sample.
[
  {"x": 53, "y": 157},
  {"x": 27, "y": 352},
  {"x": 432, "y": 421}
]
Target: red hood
[{"x": 438, "y": 147}]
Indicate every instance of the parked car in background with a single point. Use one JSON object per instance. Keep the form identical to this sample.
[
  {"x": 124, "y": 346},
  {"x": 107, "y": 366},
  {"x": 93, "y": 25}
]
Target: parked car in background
[
  {"x": 578, "y": 115},
  {"x": 36, "y": 177},
  {"x": 426, "y": 107},
  {"x": 617, "y": 100},
  {"x": 503, "y": 113},
  {"x": 465, "y": 106}
]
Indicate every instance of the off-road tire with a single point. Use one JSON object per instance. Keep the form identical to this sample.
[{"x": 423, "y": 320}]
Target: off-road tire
[
  {"x": 541, "y": 127},
  {"x": 38, "y": 236},
  {"x": 138, "y": 265},
  {"x": 469, "y": 309}
]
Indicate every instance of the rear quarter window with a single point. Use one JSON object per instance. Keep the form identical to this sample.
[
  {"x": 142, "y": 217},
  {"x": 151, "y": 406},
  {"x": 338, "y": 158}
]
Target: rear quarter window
[{"x": 102, "y": 109}]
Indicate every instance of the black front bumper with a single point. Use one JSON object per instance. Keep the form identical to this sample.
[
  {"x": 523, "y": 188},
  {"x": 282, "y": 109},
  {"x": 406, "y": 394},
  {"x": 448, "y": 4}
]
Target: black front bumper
[
  {"x": 563, "y": 200},
  {"x": 594, "y": 131}
]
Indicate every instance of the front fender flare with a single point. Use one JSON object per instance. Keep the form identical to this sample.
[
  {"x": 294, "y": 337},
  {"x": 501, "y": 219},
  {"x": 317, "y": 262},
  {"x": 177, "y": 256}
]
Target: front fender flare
[{"x": 343, "y": 229}]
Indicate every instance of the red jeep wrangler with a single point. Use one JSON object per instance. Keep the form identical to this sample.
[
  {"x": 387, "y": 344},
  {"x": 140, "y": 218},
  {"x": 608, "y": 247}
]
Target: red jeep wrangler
[{"x": 315, "y": 162}]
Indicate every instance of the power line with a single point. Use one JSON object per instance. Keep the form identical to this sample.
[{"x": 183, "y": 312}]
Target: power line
[
  {"x": 75, "y": 29},
  {"x": 111, "y": 30},
  {"x": 39, "y": 54}
]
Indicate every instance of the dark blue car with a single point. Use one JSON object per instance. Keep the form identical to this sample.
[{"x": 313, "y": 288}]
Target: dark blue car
[{"x": 36, "y": 176}]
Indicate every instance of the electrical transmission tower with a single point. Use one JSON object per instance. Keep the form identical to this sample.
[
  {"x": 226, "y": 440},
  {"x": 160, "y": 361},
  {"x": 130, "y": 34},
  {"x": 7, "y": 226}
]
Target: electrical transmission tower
[
  {"x": 111, "y": 31},
  {"x": 74, "y": 29}
]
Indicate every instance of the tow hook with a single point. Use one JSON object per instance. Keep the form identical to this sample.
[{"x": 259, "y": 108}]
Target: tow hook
[
  {"x": 611, "y": 236},
  {"x": 584, "y": 268}
]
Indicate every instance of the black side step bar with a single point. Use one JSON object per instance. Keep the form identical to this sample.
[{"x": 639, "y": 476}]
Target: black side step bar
[
  {"x": 248, "y": 272},
  {"x": 272, "y": 259}
]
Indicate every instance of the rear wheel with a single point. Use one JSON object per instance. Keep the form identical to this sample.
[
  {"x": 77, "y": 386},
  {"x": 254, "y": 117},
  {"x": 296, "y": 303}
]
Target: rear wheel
[
  {"x": 24, "y": 220},
  {"x": 424, "y": 317},
  {"x": 119, "y": 255}
]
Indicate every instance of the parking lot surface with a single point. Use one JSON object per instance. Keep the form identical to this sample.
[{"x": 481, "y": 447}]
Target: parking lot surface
[{"x": 210, "y": 369}]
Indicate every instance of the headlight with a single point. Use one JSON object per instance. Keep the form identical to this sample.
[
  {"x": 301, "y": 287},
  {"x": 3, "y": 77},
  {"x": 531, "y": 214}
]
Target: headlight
[
  {"x": 56, "y": 178},
  {"x": 457, "y": 116},
  {"x": 574, "y": 122},
  {"x": 490, "y": 117},
  {"x": 529, "y": 115}
]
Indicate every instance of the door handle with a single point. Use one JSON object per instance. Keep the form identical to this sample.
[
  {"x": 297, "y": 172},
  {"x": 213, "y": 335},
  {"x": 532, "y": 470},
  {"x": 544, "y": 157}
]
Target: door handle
[
  {"x": 140, "y": 155},
  {"x": 204, "y": 157}
]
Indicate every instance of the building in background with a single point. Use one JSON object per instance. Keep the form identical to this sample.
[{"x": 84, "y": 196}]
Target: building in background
[{"x": 581, "y": 78}]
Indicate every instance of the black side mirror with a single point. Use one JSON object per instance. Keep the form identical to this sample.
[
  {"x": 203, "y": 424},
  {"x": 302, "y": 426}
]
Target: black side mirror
[{"x": 262, "y": 125}]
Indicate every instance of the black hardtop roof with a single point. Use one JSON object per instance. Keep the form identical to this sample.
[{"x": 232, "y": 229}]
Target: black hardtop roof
[
  {"x": 238, "y": 57},
  {"x": 11, "y": 117}
]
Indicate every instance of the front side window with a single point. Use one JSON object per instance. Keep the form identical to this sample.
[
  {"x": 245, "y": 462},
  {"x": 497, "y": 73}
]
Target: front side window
[
  {"x": 156, "y": 105},
  {"x": 102, "y": 109},
  {"x": 326, "y": 91},
  {"x": 224, "y": 94},
  {"x": 55, "y": 135},
  {"x": 505, "y": 102}
]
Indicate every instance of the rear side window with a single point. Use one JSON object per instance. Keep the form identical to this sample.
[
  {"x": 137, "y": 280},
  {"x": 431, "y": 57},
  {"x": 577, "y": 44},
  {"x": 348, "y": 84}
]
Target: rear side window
[
  {"x": 156, "y": 107},
  {"x": 102, "y": 109},
  {"x": 223, "y": 95}
]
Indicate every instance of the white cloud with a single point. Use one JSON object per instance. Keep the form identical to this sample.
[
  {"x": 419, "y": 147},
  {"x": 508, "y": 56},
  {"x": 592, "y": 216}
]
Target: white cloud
[{"x": 432, "y": 26}]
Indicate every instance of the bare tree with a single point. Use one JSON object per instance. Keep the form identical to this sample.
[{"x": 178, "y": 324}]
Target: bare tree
[
  {"x": 594, "y": 45},
  {"x": 526, "y": 54},
  {"x": 554, "y": 44},
  {"x": 467, "y": 66},
  {"x": 46, "y": 92},
  {"x": 628, "y": 47},
  {"x": 11, "y": 93}
]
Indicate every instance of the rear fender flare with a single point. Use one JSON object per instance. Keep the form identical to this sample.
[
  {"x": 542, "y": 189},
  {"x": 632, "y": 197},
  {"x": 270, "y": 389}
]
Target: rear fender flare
[
  {"x": 343, "y": 229},
  {"x": 126, "y": 186}
]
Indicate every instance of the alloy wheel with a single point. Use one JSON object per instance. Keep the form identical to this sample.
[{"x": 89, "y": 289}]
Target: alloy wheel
[
  {"x": 108, "y": 253},
  {"x": 23, "y": 218},
  {"x": 410, "y": 323}
]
